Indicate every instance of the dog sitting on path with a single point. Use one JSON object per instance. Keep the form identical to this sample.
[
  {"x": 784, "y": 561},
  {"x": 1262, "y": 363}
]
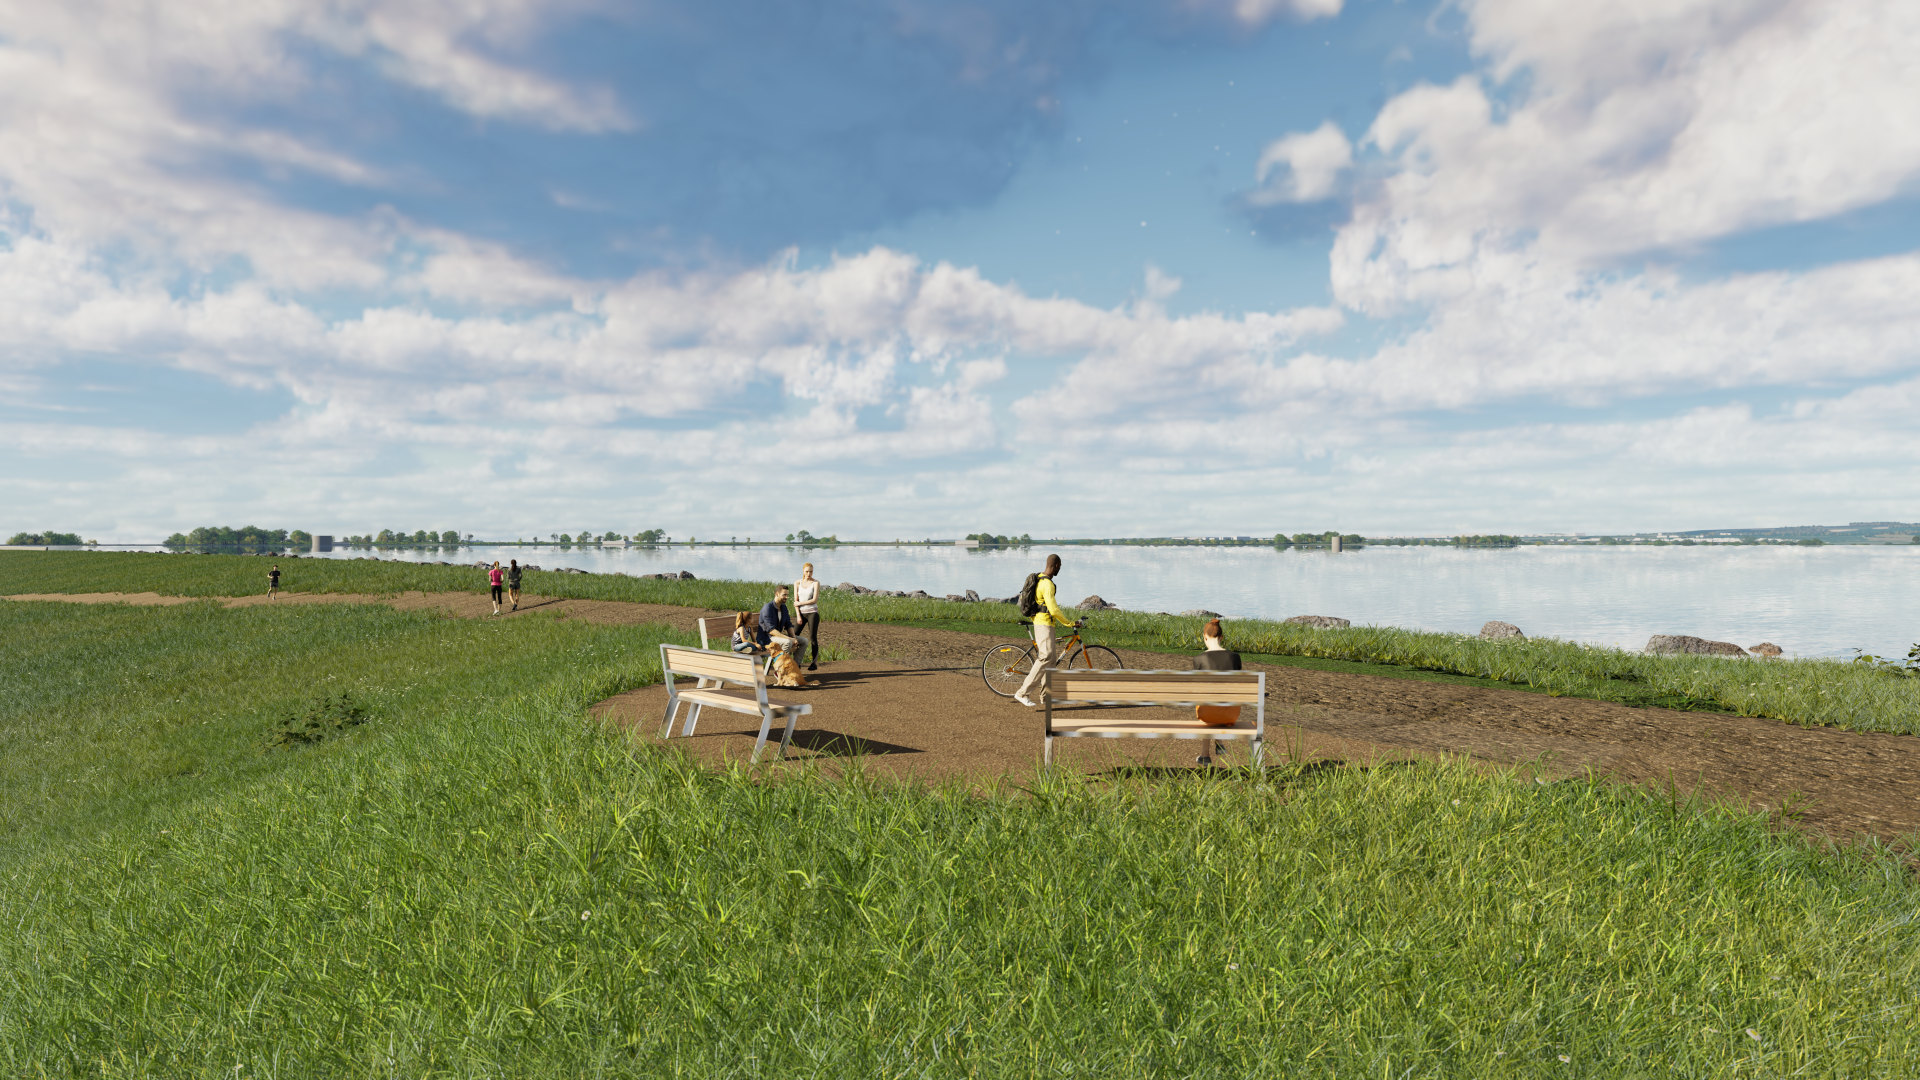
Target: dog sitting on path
[{"x": 786, "y": 669}]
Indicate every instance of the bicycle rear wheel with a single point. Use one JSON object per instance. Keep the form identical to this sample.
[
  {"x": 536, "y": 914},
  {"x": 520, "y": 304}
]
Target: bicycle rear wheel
[
  {"x": 1006, "y": 667},
  {"x": 1097, "y": 658}
]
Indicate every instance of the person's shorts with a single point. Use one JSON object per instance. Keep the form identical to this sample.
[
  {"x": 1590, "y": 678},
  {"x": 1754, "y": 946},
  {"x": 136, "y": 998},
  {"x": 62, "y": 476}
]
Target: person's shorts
[{"x": 496, "y": 592}]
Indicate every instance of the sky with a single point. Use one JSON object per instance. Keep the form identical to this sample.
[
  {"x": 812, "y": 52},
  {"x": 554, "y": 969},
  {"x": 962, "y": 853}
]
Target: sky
[{"x": 905, "y": 268}]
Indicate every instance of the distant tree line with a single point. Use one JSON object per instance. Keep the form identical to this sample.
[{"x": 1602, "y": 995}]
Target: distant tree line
[
  {"x": 1496, "y": 540},
  {"x": 45, "y": 539},
  {"x": 403, "y": 538},
  {"x": 1320, "y": 539},
  {"x": 988, "y": 539},
  {"x": 246, "y": 536}
]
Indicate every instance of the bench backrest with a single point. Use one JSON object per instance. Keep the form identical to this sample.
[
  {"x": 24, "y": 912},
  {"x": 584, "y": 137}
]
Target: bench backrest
[
  {"x": 705, "y": 664},
  {"x": 1156, "y": 687},
  {"x": 725, "y": 625}
]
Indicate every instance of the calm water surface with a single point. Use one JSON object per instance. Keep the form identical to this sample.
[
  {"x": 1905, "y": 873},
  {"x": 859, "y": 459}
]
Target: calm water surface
[{"x": 1824, "y": 601}]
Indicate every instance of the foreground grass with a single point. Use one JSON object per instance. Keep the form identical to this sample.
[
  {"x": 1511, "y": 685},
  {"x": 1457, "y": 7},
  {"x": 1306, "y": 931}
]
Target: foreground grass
[
  {"x": 1812, "y": 692},
  {"x": 109, "y": 711},
  {"x": 498, "y": 887}
]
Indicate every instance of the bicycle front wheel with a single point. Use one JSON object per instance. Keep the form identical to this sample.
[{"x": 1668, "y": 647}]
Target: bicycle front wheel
[
  {"x": 1096, "y": 658},
  {"x": 1006, "y": 667}
]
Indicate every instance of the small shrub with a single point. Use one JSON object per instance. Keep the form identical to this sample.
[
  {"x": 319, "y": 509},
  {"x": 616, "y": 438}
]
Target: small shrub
[{"x": 329, "y": 717}]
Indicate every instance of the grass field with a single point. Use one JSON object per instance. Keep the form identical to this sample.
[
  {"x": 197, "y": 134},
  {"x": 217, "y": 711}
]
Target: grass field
[
  {"x": 1813, "y": 692},
  {"x": 481, "y": 882}
]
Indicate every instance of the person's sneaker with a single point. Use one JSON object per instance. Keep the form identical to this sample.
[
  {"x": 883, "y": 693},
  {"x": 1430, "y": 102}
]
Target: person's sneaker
[
  {"x": 1024, "y": 700},
  {"x": 813, "y": 667}
]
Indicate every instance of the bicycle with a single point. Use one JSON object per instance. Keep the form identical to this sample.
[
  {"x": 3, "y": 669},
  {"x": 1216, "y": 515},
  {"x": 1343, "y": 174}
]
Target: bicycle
[{"x": 1006, "y": 666}]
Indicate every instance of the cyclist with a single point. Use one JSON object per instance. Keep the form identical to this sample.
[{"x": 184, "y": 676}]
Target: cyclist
[{"x": 1048, "y": 617}]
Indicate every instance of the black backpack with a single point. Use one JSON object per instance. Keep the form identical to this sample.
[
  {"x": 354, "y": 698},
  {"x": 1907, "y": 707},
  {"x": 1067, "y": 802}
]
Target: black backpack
[{"x": 1030, "y": 596}]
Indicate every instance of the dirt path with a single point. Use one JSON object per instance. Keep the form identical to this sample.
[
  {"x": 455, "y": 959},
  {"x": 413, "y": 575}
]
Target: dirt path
[{"x": 912, "y": 699}]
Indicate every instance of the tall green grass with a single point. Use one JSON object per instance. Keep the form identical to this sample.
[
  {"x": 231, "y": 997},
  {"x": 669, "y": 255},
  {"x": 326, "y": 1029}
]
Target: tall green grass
[
  {"x": 512, "y": 893},
  {"x": 1812, "y": 692},
  {"x": 109, "y": 711},
  {"x": 482, "y": 882}
]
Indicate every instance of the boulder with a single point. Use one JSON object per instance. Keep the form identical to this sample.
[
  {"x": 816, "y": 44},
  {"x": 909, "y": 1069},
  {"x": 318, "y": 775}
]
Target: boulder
[
  {"x": 958, "y": 598},
  {"x": 917, "y": 594},
  {"x": 848, "y": 586},
  {"x": 1686, "y": 643},
  {"x": 1321, "y": 622},
  {"x": 1497, "y": 631},
  {"x": 1094, "y": 603},
  {"x": 1200, "y": 613},
  {"x": 1765, "y": 648},
  {"x": 973, "y": 596},
  {"x": 686, "y": 575}
]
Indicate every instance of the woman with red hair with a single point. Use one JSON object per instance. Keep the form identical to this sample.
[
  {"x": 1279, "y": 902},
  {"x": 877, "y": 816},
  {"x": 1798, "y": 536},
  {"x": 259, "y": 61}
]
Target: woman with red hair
[{"x": 1217, "y": 657}]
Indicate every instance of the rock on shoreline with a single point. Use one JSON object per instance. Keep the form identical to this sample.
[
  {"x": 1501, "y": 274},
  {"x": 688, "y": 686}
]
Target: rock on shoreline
[
  {"x": 1496, "y": 630},
  {"x": 1321, "y": 622},
  {"x": 1686, "y": 643}
]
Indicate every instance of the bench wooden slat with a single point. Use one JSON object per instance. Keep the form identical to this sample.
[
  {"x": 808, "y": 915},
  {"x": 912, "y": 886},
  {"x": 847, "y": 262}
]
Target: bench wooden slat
[
  {"x": 1197, "y": 731},
  {"x": 706, "y": 664},
  {"x": 739, "y": 701},
  {"x": 1155, "y": 694}
]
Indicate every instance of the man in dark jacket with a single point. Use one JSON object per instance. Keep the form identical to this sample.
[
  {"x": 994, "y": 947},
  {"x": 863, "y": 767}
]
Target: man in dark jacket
[{"x": 774, "y": 618}]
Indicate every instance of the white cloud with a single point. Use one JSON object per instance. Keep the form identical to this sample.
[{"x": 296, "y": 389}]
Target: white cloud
[
  {"x": 1256, "y": 12},
  {"x": 1638, "y": 126},
  {"x": 1313, "y": 163},
  {"x": 430, "y": 44},
  {"x": 101, "y": 139}
]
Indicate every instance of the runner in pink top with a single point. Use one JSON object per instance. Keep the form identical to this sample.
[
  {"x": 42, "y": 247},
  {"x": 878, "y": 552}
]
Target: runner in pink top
[{"x": 493, "y": 577}]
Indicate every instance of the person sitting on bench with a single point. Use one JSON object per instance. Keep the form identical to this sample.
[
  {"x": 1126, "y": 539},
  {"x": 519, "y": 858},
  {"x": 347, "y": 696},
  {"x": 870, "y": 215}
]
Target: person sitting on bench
[
  {"x": 775, "y": 619},
  {"x": 744, "y": 638},
  {"x": 1217, "y": 657}
]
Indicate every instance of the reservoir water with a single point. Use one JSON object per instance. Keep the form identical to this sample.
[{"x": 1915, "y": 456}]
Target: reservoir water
[{"x": 1824, "y": 601}]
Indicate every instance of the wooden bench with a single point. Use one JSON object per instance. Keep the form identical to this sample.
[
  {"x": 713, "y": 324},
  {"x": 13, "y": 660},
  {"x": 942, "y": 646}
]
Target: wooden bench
[
  {"x": 715, "y": 671},
  {"x": 1061, "y": 686}
]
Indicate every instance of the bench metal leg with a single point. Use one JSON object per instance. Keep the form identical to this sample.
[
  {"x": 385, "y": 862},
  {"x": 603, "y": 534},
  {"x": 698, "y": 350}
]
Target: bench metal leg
[
  {"x": 1046, "y": 753},
  {"x": 786, "y": 739},
  {"x": 693, "y": 717},
  {"x": 666, "y": 729},
  {"x": 766, "y": 722},
  {"x": 1259, "y": 755}
]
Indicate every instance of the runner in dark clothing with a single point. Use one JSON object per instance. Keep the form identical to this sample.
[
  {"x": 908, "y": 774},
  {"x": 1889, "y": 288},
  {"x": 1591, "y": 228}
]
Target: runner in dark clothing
[
  {"x": 513, "y": 582},
  {"x": 273, "y": 582}
]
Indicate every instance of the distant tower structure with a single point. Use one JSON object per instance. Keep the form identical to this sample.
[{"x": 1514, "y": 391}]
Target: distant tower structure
[
  {"x": 322, "y": 543},
  {"x": 1336, "y": 541}
]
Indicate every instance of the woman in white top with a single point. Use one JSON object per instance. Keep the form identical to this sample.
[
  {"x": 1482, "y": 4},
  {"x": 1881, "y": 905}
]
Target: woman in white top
[{"x": 806, "y": 604}]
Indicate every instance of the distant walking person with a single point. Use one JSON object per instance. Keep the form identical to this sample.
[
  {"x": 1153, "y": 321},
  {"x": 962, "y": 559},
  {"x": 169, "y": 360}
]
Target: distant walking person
[
  {"x": 513, "y": 582},
  {"x": 273, "y": 582},
  {"x": 806, "y": 601},
  {"x": 493, "y": 578},
  {"x": 1045, "y": 619}
]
